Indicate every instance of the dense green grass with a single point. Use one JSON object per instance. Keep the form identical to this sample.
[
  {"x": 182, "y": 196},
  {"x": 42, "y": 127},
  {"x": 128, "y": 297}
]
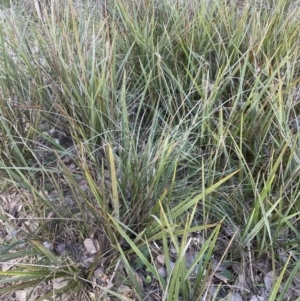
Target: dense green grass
[{"x": 149, "y": 150}]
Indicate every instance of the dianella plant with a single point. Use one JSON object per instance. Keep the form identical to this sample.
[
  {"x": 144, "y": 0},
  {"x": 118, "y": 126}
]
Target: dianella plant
[{"x": 149, "y": 150}]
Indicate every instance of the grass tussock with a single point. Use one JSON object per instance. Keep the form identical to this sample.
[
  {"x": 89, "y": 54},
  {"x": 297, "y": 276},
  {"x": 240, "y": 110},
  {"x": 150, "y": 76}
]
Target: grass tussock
[{"x": 149, "y": 150}]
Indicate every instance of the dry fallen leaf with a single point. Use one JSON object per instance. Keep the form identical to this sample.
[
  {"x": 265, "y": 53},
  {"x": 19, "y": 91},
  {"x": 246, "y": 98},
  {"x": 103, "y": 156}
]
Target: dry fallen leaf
[
  {"x": 257, "y": 298},
  {"x": 48, "y": 245},
  {"x": 59, "y": 283},
  {"x": 297, "y": 290},
  {"x": 268, "y": 280},
  {"x": 235, "y": 297},
  {"x": 10, "y": 263},
  {"x": 125, "y": 291},
  {"x": 89, "y": 246},
  {"x": 139, "y": 279},
  {"x": 283, "y": 255},
  {"x": 241, "y": 282},
  {"x": 162, "y": 272},
  {"x": 99, "y": 272},
  {"x": 161, "y": 259},
  {"x": 172, "y": 265},
  {"x": 60, "y": 248},
  {"x": 87, "y": 261},
  {"x": 20, "y": 295},
  {"x": 12, "y": 234}
]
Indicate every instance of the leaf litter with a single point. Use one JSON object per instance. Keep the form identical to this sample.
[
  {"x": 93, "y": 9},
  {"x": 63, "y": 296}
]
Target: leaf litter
[{"x": 223, "y": 274}]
